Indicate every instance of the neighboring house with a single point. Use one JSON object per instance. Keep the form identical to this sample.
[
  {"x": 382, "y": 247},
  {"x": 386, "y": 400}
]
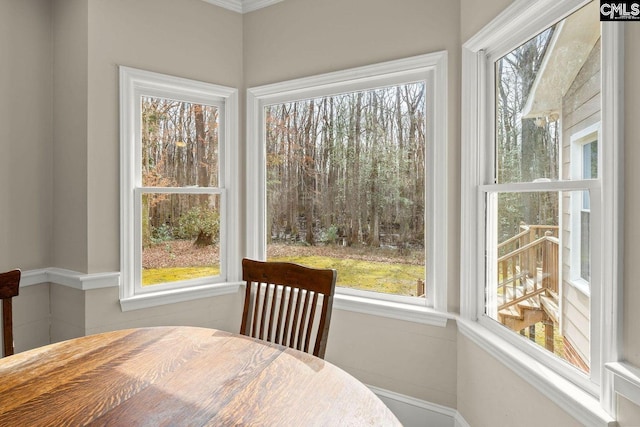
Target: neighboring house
[{"x": 567, "y": 88}]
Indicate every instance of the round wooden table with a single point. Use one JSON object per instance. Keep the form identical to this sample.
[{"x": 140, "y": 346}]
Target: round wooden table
[{"x": 180, "y": 376}]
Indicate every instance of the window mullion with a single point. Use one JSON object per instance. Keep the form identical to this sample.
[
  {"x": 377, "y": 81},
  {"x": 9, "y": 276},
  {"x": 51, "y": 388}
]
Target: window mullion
[
  {"x": 181, "y": 190},
  {"x": 524, "y": 187}
]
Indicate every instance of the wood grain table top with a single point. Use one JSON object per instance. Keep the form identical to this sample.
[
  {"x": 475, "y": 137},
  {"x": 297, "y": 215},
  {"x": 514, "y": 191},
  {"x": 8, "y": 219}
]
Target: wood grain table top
[{"x": 180, "y": 376}]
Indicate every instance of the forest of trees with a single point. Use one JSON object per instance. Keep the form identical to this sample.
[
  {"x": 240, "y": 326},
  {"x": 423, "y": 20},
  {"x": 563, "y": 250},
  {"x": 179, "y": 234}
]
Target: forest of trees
[
  {"x": 527, "y": 148},
  {"x": 179, "y": 149},
  {"x": 348, "y": 168}
]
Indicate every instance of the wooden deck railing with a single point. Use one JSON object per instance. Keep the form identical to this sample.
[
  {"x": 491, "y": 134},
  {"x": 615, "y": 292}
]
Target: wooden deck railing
[
  {"x": 550, "y": 262},
  {"x": 528, "y": 264}
]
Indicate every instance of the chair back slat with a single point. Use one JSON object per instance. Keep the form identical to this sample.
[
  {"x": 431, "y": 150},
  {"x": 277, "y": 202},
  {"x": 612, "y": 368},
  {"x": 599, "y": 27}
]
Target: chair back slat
[
  {"x": 325, "y": 318},
  {"x": 256, "y": 309},
  {"x": 312, "y": 315},
  {"x": 273, "y": 285},
  {"x": 280, "y": 333},
  {"x": 9, "y": 288},
  {"x": 286, "y": 333},
  {"x": 304, "y": 323},
  {"x": 273, "y": 290},
  {"x": 295, "y": 331}
]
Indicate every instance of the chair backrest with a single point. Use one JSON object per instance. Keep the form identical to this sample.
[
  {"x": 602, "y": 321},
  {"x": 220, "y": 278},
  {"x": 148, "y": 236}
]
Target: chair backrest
[
  {"x": 281, "y": 301},
  {"x": 9, "y": 288}
]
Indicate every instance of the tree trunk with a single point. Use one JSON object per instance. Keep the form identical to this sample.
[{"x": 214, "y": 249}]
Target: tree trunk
[
  {"x": 202, "y": 165},
  {"x": 203, "y": 239}
]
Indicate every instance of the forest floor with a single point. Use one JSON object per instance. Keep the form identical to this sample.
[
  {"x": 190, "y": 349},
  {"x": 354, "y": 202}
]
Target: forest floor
[
  {"x": 361, "y": 253},
  {"x": 378, "y": 269},
  {"x": 179, "y": 253}
]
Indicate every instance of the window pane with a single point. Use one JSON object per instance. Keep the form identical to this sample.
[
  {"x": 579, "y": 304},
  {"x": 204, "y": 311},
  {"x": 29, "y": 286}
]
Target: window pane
[
  {"x": 530, "y": 288},
  {"x": 345, "y": 186},
  {"x": 546, "y": 89},
  {"x": 180, "y": 237},
  {"x": 585, "y": 253},
  {"x": 179, "y": 143},
  {"x": 589, "y": 171},
  {"x": 590, "y": 160}
]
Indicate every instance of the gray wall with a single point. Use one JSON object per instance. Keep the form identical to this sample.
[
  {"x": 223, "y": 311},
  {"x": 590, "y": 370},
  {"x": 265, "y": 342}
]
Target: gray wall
[
  {"x": 186, "y": 38},
  {"x": 190, "y": 39},
  {"x": 26, "y": 85},
  {"x": 300, "y": 38},
  {"x": 70, "y": 106},
  {"x": 26, "y": 168},
  {"x": 60, "y": 139}
]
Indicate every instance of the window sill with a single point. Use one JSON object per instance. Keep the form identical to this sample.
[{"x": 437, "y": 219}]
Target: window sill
[
  {"x": 577, "y": 402},
  {"x": 390, "y": 309},
  {"x": 154, "y": 299},
  {"x": 582, "y": 286}
]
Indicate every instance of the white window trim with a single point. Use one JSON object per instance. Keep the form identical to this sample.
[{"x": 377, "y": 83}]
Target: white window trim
[
  {"x": 514, "y": 26},
  {"x": 133, "y": 84},
  {"x": 430, "y": 67}
]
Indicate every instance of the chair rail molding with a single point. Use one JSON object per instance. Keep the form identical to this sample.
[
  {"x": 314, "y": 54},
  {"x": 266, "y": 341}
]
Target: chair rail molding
[
  {"x": 392, "y": 310},
  {"x": 72, "y": 279},
  {"x": 626, "y": 380}
]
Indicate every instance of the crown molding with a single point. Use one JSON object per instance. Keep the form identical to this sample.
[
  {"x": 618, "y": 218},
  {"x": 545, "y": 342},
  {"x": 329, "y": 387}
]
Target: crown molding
[{"x": 243, "y": 6}]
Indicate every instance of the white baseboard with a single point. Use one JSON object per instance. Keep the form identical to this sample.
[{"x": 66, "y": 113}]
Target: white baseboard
[
  {"x": 459, "y": 421},
  {"x": 414, "y": 412}
]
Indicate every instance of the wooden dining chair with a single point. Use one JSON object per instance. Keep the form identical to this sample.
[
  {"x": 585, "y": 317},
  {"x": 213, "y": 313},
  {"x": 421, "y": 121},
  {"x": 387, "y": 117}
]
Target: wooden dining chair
[
  {"x": 281, "y": 301},
  {"x": 9, "y": 288}
]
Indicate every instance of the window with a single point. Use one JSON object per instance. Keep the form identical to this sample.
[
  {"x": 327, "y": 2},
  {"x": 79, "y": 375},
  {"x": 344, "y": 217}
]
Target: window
[
  {"x": 584, "y": 148},
  {"x": 178, "y": 201},
  {"x": 540, "y": 202},
  {"x": 541, "y": 93},
  {"x": 347, "y": 171}
]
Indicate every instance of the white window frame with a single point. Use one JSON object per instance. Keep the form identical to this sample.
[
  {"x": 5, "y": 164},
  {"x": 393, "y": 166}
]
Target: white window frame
[
  {"x": 431, "y": 68},
  {"x": 134, "y": 84},
  {"x": 578, "y": 141},
  {"x": 591, "y": 402}
]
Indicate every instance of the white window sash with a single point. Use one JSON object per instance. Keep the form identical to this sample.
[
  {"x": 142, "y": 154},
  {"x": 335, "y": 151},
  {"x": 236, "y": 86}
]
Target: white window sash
[
  {"x": 134, "y": 84},
  {"x": 517, "y": 24},
  {"x": 577, "y": 142}
]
